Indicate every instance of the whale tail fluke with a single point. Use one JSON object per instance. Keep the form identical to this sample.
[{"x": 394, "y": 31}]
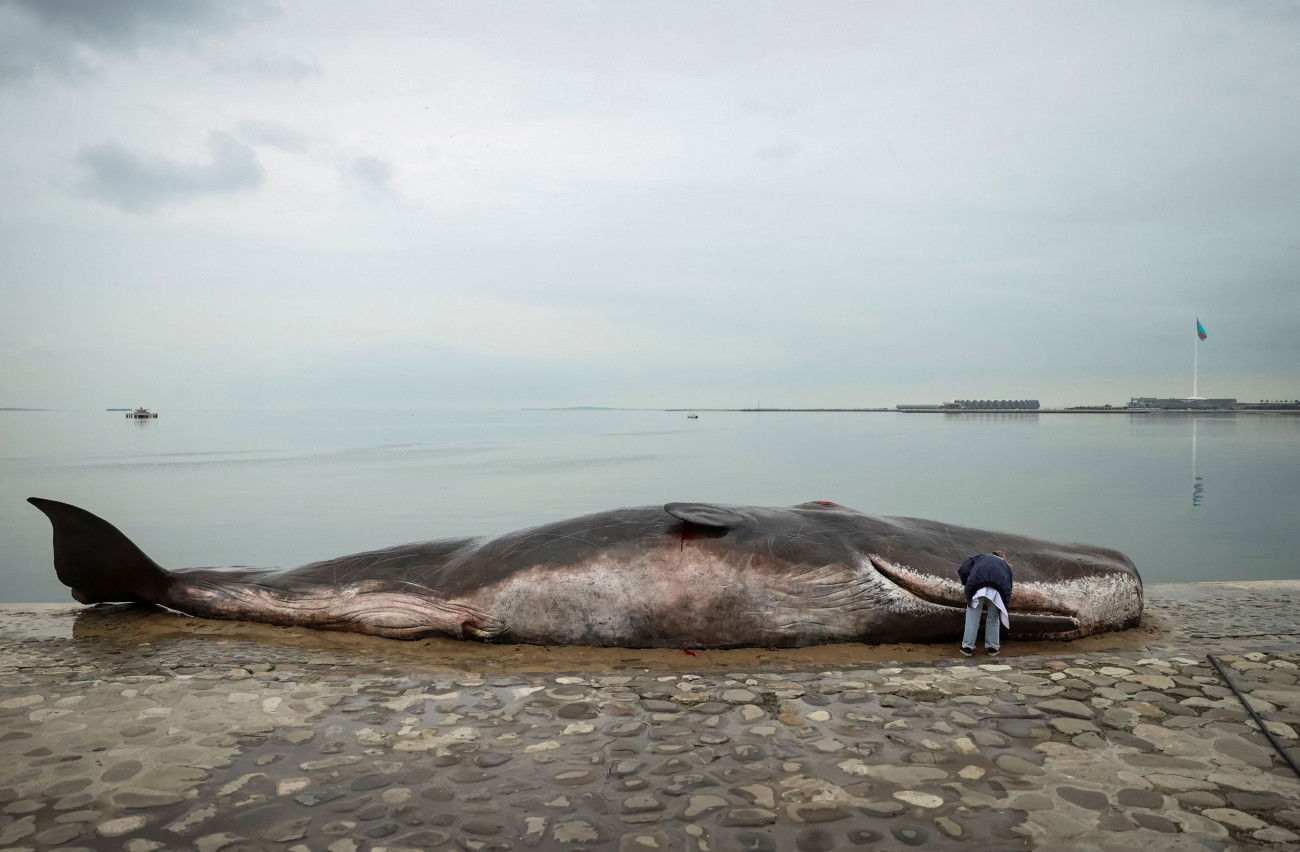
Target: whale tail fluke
[{"x": 94, "y": 559}]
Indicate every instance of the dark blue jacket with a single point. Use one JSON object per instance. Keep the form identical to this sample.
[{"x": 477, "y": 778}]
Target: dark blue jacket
[{"x": 986, "y": 570}]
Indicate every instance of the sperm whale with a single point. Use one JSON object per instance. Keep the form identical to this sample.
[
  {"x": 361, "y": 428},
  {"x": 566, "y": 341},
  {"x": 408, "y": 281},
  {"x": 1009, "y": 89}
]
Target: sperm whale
[{"x": 688, "y": 575}]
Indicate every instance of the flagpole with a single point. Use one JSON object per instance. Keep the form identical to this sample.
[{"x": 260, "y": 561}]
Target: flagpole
[{"x": 1196, "y": 364}]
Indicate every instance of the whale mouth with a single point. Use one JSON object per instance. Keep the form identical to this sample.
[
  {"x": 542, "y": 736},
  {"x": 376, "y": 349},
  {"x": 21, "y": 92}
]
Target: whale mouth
[{"x": 1039, "y": 616}]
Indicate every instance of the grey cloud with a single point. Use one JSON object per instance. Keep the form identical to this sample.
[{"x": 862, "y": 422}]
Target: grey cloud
[
  {"x": 56, "y": 35},
  {"x": 127, "y": 24},
  {"x": 24, "y": 48},
  {"x": 363, "y": 173},
  {"x": 136, "y": 184}
]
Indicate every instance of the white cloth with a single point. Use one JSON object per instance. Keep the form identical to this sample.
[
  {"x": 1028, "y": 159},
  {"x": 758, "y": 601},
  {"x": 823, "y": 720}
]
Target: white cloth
[{"x": 995, "y": 599}]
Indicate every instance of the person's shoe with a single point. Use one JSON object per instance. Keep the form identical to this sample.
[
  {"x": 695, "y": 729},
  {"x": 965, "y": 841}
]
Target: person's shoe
[
  {"x": 967, "y": 651},
  {"x": 993, "y": 652}
]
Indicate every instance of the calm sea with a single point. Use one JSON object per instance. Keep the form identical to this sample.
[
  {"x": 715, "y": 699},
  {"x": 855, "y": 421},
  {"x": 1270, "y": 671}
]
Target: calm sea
[{"x": 1187, "y": 497}]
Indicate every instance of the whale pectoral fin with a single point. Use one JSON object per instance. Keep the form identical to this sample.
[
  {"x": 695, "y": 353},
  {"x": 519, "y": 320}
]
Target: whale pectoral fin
[{"x": 706, "y": 515}]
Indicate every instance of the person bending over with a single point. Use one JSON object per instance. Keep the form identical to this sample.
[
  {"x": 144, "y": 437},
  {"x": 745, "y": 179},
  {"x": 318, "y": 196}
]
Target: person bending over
[{"x": 987, "y": 578}]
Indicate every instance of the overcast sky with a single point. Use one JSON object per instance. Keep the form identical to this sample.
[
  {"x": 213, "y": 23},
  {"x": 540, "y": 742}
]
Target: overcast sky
[{"x": 442, "y": 205}]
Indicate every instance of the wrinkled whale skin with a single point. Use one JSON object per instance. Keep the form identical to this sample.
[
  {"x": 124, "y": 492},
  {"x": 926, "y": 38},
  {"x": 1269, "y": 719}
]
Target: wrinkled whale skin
[{"x": 687, "y": 575}]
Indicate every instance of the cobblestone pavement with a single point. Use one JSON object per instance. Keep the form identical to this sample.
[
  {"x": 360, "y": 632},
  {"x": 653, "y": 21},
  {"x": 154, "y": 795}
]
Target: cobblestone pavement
[{"x": 205, "y": 745}]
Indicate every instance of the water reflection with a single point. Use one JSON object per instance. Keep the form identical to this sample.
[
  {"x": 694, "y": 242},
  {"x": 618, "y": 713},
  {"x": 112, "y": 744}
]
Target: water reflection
[
  {"x": 986, "y": 416},
  {"x": 1198, "y": 486}
]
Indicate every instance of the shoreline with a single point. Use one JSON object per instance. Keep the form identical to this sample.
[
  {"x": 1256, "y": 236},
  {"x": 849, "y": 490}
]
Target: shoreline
[{"x": 1143, "y": 411}]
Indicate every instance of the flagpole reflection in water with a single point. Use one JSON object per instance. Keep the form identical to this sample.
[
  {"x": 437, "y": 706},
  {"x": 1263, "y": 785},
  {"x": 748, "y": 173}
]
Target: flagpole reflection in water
[{"x": 1198, "y": 487}]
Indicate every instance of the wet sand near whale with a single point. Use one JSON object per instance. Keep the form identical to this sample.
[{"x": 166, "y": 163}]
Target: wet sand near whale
[
  {"x": 138, "y": 730},
  {"x": 119, "y": 624}
]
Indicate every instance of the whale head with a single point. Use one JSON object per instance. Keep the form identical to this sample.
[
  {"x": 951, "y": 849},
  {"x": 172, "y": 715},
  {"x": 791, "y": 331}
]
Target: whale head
[{"x": 898, "y": 575}]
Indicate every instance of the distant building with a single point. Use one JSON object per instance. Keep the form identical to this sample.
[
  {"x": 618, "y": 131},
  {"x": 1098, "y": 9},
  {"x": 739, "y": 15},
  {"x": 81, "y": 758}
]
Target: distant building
[
  {"x": 997, "y": 404},
  {"x": 1172, "y": 404},
  {"x": 1271, "y": 405},
  {"x": 976, "y": 405}
]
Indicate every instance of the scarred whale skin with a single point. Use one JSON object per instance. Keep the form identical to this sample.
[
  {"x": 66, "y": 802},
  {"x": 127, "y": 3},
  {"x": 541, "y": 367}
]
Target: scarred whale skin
[{"x": 685, "y": 575}]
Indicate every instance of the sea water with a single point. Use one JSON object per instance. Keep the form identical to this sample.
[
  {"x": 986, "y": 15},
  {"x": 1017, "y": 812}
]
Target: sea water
[{"x": 1187, "y": 497}]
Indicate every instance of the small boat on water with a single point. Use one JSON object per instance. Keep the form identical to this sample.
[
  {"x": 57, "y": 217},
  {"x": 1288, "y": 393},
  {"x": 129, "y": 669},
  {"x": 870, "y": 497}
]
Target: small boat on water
[
  {"x": 692, "y": 417},
  {"x": 141, "y": 413}
]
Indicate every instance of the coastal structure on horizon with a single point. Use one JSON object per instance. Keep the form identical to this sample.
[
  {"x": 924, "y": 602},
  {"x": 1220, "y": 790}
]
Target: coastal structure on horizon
[
  {"x": 977, "y": 405},
  {"x": 1135, "y": 404},
  {"x": 1195, "y": 403}
]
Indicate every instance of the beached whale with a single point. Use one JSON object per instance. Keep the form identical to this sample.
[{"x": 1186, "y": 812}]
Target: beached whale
[{"x": 684, "y": 575}]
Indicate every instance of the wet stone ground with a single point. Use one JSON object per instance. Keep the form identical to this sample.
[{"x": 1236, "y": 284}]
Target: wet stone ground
[{"x": 207, "y": 745}]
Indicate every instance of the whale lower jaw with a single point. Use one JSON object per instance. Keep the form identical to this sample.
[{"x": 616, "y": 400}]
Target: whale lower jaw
[{"x": 1043, "y": 619}]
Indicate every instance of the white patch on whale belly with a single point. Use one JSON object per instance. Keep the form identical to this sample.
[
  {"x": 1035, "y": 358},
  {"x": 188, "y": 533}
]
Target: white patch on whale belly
[{"x": 685, "y": 598}]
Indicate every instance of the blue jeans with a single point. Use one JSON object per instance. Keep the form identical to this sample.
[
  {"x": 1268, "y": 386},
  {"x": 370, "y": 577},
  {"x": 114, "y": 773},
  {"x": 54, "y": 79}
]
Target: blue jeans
[{"x": 992, "y": 625}]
